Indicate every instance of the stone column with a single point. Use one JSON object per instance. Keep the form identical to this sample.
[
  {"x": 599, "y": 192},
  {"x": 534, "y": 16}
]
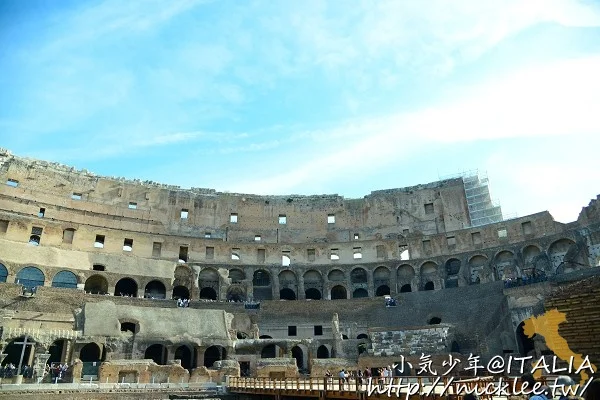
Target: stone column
[
  {"x": 394, "y": 289},
  {"x": 301, "y": 290},
  {"x": 275, "y": 287},
  {"x": 200, "y": 356},
  {"x": 39, "y": 365},
  {"x": 370, "y": 283}
]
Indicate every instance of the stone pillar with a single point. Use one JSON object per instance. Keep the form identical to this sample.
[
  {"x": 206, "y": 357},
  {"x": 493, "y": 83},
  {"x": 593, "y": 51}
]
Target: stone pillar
[
  {"x": 394, "y": 289},
  {"x": 301, "y": 290},
  {"x": 370, "y": 283},
  {"x": 275, "y": 287},
  {"x": 200, "y": 356},
  {"x": 39, "y": 366},
  {"x": 77, "y": 369}
]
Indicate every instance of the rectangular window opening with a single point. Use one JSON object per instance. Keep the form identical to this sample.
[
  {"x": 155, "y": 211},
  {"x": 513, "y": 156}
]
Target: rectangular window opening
[
  {"x": 502, "y": 233},
  {"x": 42, "y": 212},
  {"x": 318, "y": 330},
  {"x": 76, "y": 196},
  {"x": 235, "y": 254},
  {"x": 184, "y": 213},
  {"x": 331, "y": 219},
  {"x": 12, "y": 182},
  {"x": 527, "y": 228},
  {"x": 292, "y": 330},
  {"x": 380, "y": 251},
  {"x": 207, "y": 235},
  {"x": 183, "y": 254},
  {"x": 451, "y": 241},
  {"x": 156, "y": 249},
  {"x": 357, "y": 253},
  {"x": 127, "y": 244},
  {"x": 334, "y": 255},
  {"x": 98, "y": 267},
  {"x": 476, "y": 237},
  {"x": 233, "y": 218},
  {"x": 404, "y": 253},
  {"x": 99, "y": 242},
  {"x": 210, "y": 253},
  {"x": 36, "y": 230},
  {"x": 257, "y": 238},
  {"x": 132, "y": 205},
  {"x": 311, "y": 254},
  {"x": 427, "y": 246},
  {"x": 282, "y": 219},
  {"x": 68, "y": 235},
  {"x": 429, "y": 208},
  {"x": 356, "y": 236},
  {"x": 285, "y": 259},
  {"x": 3, "y": 226},
  {"x": 261, "y": 255}
]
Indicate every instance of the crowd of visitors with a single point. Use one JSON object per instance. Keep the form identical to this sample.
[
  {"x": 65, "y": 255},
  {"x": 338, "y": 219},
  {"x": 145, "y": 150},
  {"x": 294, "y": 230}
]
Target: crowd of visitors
[
  {"x": 527, "y": 279},
  {"x": 183, "y": 303},
  {"x": 10, "y": 370}
]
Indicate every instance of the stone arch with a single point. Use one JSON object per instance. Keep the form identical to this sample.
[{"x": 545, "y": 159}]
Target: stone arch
[
  {"x": 96, "y": 284},
  {"x": 360, "y": 293},
  {"x": 323, "y": 351},
  {"x": 13, "y": 351},
  {"x": 208, "y": 283},
  {"x": 452, "y": 270},
  {"x": 313, "y": 284},
  {"x": 428, "y": 271},
  {"x": 339, "y": 292},
  {"x": 359, "y": 275},
  {"x": 157, "y": 353},
  {"x": 155, "y": 290},
  {"x": 288, "y": 285},
  {"x": 300, "y": 353},
  {"x": 65, "y": 279},
  {"x": 30, "y": 277},
  {"x": 477, "y": 264},
  {"x": 126, "y": 287},
  {"x": 3, "y": 273},
  {"x": 236, "y": 293},
  {"x": 180, "y": 292},
  {"x": 57, "y": 351},
  {"x": 236, "y": 275},
  {"x": 505, "y": 265},
  {"x": 405, "y": 273},
  {"x": 407, "y": 287},
  {"x": 558, "y": 250},
  {"x": 382, "y": 290},
  {"x": 185, "y": 354},
  {"x": 213, "y": 354},
  {"x": 261, "y": 285},
  {"x": 336, "y": 275},
  {"x": 269, "y": 351},
  {"x": 91, "y": 352},
  {"x": 530, "y": 254},
  {"x": 434, "y": 321},
  {"x": 381, "y": 281}
]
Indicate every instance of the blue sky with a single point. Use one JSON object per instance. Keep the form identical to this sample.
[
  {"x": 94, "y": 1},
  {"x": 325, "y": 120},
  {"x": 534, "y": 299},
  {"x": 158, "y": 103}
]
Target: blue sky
[{"x": 311, "y": 97}]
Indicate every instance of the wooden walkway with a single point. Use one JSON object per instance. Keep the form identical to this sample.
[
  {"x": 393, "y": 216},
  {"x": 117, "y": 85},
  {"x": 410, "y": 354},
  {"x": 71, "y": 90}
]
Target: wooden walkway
[{"x": 407, "y": 388}]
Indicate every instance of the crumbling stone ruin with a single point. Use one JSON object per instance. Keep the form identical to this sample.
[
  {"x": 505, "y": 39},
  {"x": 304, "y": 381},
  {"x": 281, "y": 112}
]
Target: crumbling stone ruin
[{"x": 91, "y": 268}]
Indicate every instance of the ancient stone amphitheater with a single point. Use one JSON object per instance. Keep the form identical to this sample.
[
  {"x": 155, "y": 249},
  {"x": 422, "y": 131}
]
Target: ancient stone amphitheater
[{"x": 91, "y": 268}]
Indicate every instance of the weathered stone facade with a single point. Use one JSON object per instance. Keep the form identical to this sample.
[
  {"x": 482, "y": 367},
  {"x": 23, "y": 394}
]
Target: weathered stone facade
[{"x": 109, "y": 256}]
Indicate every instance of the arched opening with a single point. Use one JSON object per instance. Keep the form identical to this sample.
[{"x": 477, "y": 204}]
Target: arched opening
[
  {"x": 455, "y": 348},
  {"x": 126, "y": 287},
  {"x": 180, "y": 292},
  {"x": 236, "y": 293},
  {"x": 322, "y": 352},
  {"x": 261, "y": 284},
  {"x": 265, "y": 337},
  {"x": 429, "y": 286},
  {"x": 96, "y": 284},
  {"x": 406, "y": 288},
  {"x": 34, "y": 240},
  {"x": 476, "y": 265},
  {"x": 90, "y": 353},
  {"x": 360, "y": 293},
  {"x": 237, "y": 276},
  {"x": 155, "y": 290},
  {"x": 452, "y": 270},
  {"x": 269, "y": 351},
  {"x": 505, "y": 265},
  {"x": 557, "y": 252},
  {"x": 361, "y": 347},
  {"x": 212, "y": 354},
  {"x": 3, "y": 273},
  {"x": 405, "y": 273},
  {"x": 313, "y": 294},
  {"x": 57, "y": 349},
  {"x": 184, "y": 354},
  {"x": 362, "y": 336},
  {"x": 298, "y": 354},
  {"x": 208, "y": 282},
  {"x": 382, "y": 290},
  {"x": 30, "y": 277},
  {"x": 208, "y": 293},
  {"x": 338, "y": 292},
  {"x": 13, "y": 351},
  {"x": 358, "y": 275},
  {"x": 156, "y": 353},
  {"x": 336, "y": 275},
  {"x": 287, "y": 294},
  {"x": 344, "y": 337},
  {"x": 65, "y": 279},
  {"x": 313, "y": 285},
  {"x": 525, "y": 343},
  {"x": 435, "y": 321}
]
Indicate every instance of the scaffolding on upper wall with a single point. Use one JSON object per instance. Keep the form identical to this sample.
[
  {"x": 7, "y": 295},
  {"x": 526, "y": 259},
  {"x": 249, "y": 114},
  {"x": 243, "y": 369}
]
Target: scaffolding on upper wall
[{"x": 483, "y": 209}]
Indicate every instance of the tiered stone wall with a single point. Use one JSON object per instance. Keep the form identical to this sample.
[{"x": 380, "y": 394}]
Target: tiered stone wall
[{"x": 428, "y": 340}]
